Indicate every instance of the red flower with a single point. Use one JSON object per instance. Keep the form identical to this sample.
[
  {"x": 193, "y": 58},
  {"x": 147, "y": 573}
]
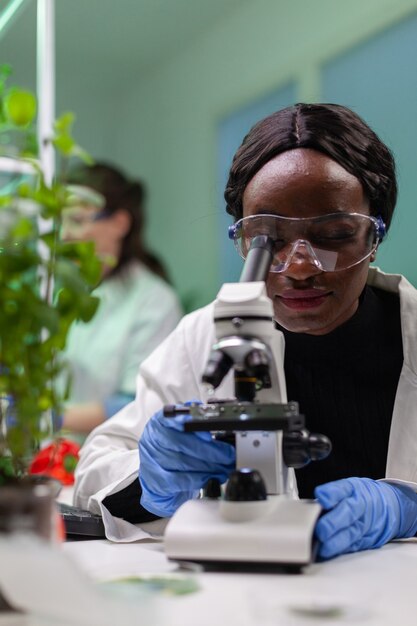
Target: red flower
[{"x": 58, "y": 460}]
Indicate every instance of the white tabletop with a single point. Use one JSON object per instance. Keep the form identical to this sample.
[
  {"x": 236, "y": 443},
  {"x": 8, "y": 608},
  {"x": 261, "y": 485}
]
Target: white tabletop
[{"x": 376, "y": 587}]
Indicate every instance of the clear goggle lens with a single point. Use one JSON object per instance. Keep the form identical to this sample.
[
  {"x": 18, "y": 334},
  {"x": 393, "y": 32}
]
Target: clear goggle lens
[{"x": 330, "y": 242}]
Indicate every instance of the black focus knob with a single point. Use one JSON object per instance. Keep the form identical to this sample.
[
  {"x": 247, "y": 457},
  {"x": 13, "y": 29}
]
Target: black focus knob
[
  {"x": 320, "y": 446},
  {"x": 212, "y": 489},
  {"x": 300, "y": 447},
  {"x": 245, "y": 485}
]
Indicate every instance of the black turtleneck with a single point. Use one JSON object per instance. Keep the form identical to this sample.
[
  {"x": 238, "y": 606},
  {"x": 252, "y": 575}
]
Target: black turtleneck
[{"x": 345, "y": 383}]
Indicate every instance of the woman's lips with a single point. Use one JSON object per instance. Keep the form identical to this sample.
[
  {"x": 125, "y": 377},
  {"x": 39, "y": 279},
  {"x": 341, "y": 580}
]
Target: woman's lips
[{"x": 303, "y": 298}]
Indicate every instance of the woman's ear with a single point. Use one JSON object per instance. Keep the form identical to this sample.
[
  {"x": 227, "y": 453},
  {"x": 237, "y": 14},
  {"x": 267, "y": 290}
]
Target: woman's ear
[{"x": 122, "y": 221}]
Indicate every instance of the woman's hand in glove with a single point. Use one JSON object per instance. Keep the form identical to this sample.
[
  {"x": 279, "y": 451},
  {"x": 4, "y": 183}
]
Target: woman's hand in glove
[
  {"x": 362, "y": 514},
  {"x": 175, "y": 465}
]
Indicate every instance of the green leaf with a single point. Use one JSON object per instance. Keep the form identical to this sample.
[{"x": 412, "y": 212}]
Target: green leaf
[
  {"x": 24, "y": 228},
  {"x": 19, "y": 107},
  {"x": 64, "y": 143},
  {"x": 5, "y": 71},
  {"x": 64, "y": 123},
  {"x": 6, "y": 469},
  {"x": 88, "y": 307},
  {"x": 82, "y": 154}
]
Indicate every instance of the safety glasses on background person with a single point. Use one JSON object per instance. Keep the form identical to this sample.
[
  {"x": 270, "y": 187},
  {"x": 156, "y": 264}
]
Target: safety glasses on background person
[
  {"x": 332, "y": 242},
  {"x": 83, "y": 207},
  {"x": 75, "y": 219}
]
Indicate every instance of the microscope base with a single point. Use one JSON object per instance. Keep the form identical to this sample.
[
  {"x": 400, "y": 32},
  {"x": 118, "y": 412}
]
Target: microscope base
[{"x": 269, "y": 535}]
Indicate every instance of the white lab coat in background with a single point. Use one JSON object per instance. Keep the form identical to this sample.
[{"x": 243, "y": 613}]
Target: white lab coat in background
[
  {"x": 110, "y": 461},
  {"x": 137, "y": 310}
]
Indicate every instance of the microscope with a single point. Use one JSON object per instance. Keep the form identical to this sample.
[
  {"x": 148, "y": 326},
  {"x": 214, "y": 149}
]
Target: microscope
[{"x": 257, "y": 522}]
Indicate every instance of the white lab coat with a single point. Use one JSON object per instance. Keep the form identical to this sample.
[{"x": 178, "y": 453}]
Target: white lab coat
[
  {"x": 109, "y": 459},
  {"x": 137, "y": 310}
]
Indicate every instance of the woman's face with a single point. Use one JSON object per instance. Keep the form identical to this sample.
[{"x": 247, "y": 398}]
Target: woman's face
[
  {"x": 85, "y": 223},
  {"x": 307, "y": 183}
]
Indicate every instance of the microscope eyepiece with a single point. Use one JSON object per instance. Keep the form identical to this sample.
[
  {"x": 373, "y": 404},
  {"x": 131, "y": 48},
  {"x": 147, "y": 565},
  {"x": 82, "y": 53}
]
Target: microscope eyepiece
[{"x": 258, "y": 260}]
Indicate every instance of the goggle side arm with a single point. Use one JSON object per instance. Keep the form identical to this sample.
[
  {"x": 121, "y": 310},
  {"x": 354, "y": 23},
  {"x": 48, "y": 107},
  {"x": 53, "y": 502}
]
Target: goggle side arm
[{"x": 381, "y": 229}]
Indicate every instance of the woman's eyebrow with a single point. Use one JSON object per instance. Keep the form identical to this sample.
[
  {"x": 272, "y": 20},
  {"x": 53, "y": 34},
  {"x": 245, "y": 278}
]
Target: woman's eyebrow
[
  {"x": 267, "y": 212},
  {"x": 273, "y": 212}
]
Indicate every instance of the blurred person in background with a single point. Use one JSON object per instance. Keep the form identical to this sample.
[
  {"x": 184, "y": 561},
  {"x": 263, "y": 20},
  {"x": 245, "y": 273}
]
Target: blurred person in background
[{"x": 138, "y": 307}]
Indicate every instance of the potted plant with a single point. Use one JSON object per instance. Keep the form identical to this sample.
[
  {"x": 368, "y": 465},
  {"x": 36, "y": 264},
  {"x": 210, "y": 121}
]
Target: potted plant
[{"x": 45, "y": 283}]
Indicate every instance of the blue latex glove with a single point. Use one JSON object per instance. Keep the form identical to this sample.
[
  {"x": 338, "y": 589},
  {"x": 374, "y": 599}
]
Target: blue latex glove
[
  {"x": 363, "y": 514},
  {"x": 175, "y": 465}
]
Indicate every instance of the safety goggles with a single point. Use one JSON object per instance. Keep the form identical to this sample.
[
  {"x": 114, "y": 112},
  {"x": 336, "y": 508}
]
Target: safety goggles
[
  {"x": 332, "y": 242},
  {"x": 84, "y": 206},
  {"x": 82, "y": 195},
  {"x": 76, "y": 220}
]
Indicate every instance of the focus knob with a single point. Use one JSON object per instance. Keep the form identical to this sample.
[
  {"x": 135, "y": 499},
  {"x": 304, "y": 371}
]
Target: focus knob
[
  {"x": 245, "y": 485},
  {"x": 300, "y": 447},
  {"x": 212, "y": 489}
]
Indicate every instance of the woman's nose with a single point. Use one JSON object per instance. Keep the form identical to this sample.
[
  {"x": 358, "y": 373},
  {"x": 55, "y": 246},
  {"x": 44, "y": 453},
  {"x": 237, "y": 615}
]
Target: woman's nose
[{"x": 301, "y": 262}]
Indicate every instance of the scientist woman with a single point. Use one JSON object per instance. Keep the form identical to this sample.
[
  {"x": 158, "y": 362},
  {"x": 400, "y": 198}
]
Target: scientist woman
[
  {"x": 138, "y": 308},
  {"x": 322, "y": 185}
]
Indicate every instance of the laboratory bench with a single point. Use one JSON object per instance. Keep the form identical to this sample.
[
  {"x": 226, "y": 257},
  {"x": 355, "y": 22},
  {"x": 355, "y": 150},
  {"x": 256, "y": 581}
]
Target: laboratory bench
[{"x": 374, "y": 588}]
